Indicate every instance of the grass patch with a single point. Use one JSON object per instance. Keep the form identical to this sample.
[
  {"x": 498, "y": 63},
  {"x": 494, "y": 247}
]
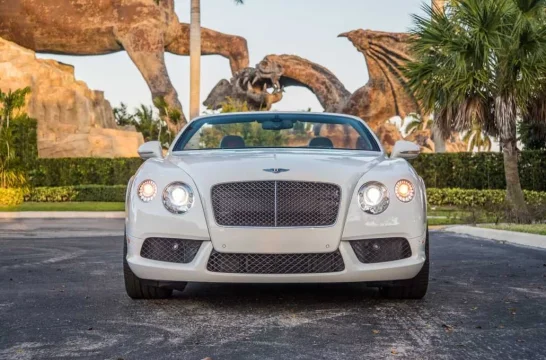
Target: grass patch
[
  {"x": 539, "y": 229},
  {"x": 66, "y": 206},
  {"x": 449, "y": 215}
]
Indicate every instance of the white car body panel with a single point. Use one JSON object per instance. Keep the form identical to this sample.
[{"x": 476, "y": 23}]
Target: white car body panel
[{"x": 349, "y": 169}]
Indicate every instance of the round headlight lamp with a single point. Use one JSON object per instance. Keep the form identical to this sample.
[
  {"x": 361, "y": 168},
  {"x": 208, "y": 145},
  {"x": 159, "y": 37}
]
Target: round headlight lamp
[
  {"x": 178, "y": 198},
  {"x": 404, "y": 191},
  {"x": 147, "y": 190},
  {"x": 373, "y": 198}
]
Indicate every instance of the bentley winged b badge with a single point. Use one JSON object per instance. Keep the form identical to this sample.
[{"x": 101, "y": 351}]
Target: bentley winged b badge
[{"x": 276, "y": 171}]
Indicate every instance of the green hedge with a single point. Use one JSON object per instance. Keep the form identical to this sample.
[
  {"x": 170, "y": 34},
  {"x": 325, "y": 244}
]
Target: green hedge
[
  {"x": 450, "y": 170},
  {"x": 84, "y": 171},
  {"x": 24, "y": 142},
  {"x": 480, "y": 170},
  {"x": 436, "y": 197},
  {"x": 477, "y": 198},
  {"x": 113, "y": 193}
]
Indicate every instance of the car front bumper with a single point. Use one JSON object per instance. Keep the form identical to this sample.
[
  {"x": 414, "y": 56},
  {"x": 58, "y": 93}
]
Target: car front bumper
[{"x": 355, "y": 271}]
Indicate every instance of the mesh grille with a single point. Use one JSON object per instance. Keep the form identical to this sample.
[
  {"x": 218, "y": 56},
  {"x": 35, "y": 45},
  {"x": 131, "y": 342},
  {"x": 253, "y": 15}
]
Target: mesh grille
[
  {"x": 373, "y": 251},
  {"x": 276, "y": 204},
  {"x": 275, "y": 263},
  {"x": 170, "y": 250}
]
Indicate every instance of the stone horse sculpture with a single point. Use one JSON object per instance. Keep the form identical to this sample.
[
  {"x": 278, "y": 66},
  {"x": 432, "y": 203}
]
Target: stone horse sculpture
[{"x": 145, "y": 29}]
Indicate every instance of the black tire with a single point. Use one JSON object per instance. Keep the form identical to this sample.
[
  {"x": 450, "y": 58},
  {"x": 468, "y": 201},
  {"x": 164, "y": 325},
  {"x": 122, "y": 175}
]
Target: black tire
[
  {"x": 415, "y": 288},
  {"x": 135, "y": 287}
]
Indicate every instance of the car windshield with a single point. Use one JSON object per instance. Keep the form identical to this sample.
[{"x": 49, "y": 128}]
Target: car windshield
[{"x": 270, "y": 130}]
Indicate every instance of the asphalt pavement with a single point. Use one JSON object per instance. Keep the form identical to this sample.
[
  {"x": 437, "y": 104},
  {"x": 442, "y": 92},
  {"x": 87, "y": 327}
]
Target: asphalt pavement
[{"x": 65, "y": 298}]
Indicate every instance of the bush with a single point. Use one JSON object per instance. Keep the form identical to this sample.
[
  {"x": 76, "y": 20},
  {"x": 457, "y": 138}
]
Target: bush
[
  {"x": 479, "y": 170},
  {"x": 115, "y": 193},
  {"x": 11, "y": 196},
  {"x": 84, "y": 171},
  {"x": 477, "y": 198}
]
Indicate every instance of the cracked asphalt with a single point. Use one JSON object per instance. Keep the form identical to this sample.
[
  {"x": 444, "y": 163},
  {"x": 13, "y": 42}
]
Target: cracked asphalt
[{"x": 64, "y": 298}]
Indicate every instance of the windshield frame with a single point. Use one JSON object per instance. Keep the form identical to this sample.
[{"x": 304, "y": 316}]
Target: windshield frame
[{"x": 194, "y": 126}]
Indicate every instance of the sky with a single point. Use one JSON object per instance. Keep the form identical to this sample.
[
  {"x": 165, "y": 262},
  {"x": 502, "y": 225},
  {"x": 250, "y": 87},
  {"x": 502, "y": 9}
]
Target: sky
[{"x": 307, "y": 28}]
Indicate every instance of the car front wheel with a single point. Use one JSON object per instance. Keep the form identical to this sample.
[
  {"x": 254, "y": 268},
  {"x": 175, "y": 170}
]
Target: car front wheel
[{"x": 415, "y": 288}]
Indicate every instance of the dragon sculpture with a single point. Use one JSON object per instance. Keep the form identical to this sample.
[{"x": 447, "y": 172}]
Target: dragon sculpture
[{"x": 145, "y": 29}]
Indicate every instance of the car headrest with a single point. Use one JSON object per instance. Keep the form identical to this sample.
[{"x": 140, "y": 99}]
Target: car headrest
[
  {"x": 321, "y": 142},
  {"x": 232, "y": 142},
  {"x": 362, "y": 144}
]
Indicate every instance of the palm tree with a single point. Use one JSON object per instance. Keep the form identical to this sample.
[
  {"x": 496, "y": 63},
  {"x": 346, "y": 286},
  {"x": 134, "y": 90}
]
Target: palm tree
[
  {"x": 11, "y": 105},
  {"x": 417, "y": 124},
  {"x": 195, "y": 57},
  {"x": 482, "y": 61},
  {"x": 477, "y": 138}
]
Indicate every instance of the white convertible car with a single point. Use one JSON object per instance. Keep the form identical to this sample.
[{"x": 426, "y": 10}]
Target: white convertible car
[{"x": 276, "y": 198}]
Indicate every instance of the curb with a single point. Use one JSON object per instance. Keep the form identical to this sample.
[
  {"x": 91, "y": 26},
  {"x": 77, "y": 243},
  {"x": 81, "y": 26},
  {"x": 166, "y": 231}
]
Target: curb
[
  {"x": 63, "y": 215},
  {"x": 511, "y": 237}
]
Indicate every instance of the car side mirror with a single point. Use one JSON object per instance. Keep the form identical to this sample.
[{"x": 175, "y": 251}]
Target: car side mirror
[
  {"x": 150, "y": 150},
  {"x": 405, "y": 150}
]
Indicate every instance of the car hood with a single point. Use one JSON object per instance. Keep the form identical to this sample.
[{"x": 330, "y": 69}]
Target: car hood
[{"x": 343, "y": 168}]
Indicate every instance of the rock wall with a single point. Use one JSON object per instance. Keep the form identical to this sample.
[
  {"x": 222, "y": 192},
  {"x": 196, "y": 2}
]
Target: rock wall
[{"x": 73, "y": 120}]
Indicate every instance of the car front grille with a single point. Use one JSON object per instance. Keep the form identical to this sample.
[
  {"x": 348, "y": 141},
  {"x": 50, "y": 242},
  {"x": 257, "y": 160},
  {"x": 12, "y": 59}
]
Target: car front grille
[
  {"x": 276, "y": 204},
  {"x": 275, "y": 263},
  {"x": 374, "y": 251},
  {"x": 170, "y": 250}
]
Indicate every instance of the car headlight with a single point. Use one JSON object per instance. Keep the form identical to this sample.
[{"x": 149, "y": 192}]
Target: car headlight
[
  {"x": 404, "y": 191},
  {"x": 178, "y": 198},
  {"x": 147, "y": 190},
  {"x": 373, "y": 198}
]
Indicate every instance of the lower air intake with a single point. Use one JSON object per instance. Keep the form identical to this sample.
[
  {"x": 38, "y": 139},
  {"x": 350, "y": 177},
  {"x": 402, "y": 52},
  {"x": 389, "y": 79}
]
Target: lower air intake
[
  {"x": 374, "y": 251},
  {"x": 170, "y": 250},
  {"x": 275, "y": 263}
]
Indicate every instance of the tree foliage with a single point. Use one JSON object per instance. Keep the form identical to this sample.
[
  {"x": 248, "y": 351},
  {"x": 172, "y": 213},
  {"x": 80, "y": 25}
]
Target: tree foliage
[
  {"x": 482, "y": 63},
  {"x": 11, "y": 111},
  {"x": 146, "y": 121}
]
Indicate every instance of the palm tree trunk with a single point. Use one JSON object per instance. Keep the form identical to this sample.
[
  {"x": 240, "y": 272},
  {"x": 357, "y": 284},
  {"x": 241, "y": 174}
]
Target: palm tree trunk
[
  {"x": 438, "y": 139},
  {"x": 505, "y": 116},
  {"x": 195, "y": 58}
]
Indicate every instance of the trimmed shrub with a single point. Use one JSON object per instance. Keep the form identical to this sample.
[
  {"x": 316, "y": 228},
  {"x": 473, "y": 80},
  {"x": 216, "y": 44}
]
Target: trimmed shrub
[
  {"x": 11, "y": 196},
  {"x": 479, "y": 170},
  {"x": 477, "y": 198},
  {"x": 114, "y": 193},
  {"x": 84, "y": 171},
  {"x": 24, "y": 142}
]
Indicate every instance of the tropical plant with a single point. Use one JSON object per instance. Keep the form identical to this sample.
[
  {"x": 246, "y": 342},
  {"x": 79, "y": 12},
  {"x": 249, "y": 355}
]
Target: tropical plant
[
  {"x": 532, "y": 134},
  {"x": 482, "y": 61},
  {"x": 476, "y": 138},
  {"x": 417, "y": 124},
  {"x": 122, "y": 115},
  {"x": 195, "y": 56},
  {"x": 152, "y": 127},
  {"x": 146, "y": 121},
  {"x": 11, "y": 104}
]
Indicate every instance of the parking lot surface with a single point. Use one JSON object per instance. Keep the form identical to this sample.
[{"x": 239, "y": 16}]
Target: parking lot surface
[{"x": 65, "y": 298}]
